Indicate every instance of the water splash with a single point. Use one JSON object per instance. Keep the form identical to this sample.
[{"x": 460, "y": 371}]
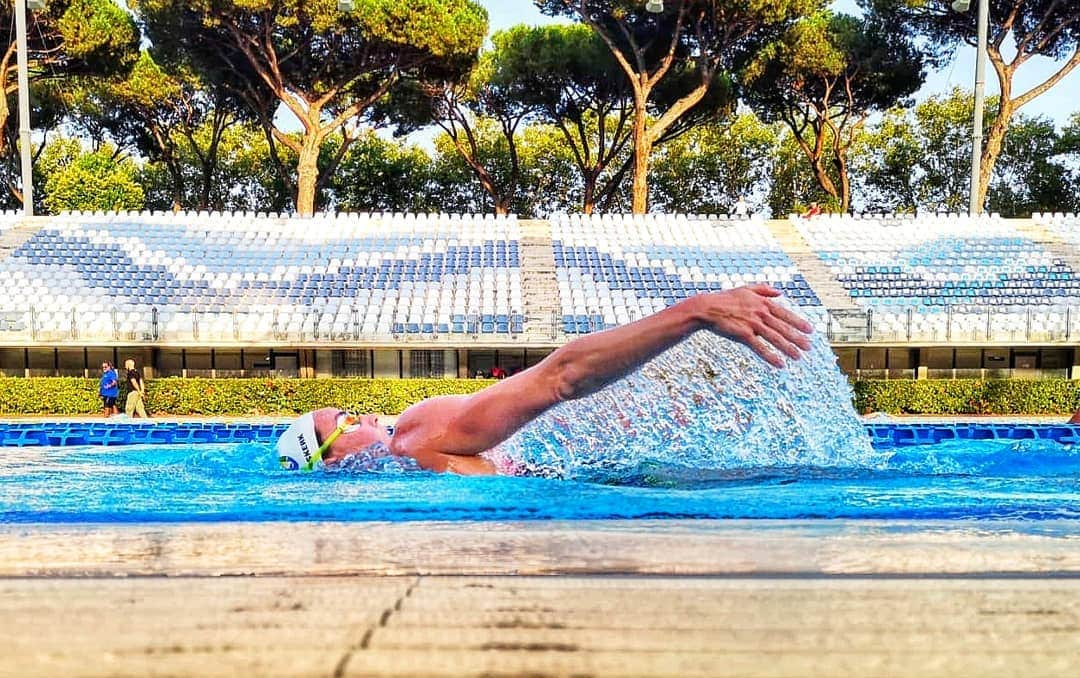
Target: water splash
[
  {"x": 705, "y": 403},
  {"x": 376, "y": 458}
]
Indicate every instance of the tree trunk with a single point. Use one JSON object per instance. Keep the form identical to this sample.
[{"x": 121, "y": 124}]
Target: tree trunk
[
  {"x": 178, "y": 196},
  {"x": 5, "y": 115},
  {"x": 995, "y": 137},
  {"x": 589, "y": 201},
  {"x": 176, "y": 178},
  {"x": 307, "y": 174},
  {"x": 206, "y": 177},
  {"x": 499, "y": 201},
  {"x": 840, "y": 162},
  {"x": 207, "y": 172},
  {"x": 639, "y": 203},
  {"x": 821, "y": 174}
]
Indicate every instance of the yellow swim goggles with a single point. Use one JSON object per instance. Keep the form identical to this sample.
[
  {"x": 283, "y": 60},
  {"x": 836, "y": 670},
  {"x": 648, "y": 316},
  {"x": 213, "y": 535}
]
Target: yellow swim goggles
[{"x": 344, "y": 421}]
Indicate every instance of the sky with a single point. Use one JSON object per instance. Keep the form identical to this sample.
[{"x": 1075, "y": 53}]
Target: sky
[{"x": 1057, "y": 104}]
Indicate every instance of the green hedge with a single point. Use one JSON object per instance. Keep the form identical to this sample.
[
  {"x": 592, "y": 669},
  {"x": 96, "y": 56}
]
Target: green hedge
[
  {"x": 49, "y": 396},
  {"x": 390, "y": 396},
  {"x": 231, "y": 396},
  {"x": 968, "y": 396}
]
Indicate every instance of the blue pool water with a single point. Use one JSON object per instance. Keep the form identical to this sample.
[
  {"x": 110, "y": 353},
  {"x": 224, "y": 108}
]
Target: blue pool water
[
  {"x": 1031, "y": 479},
  {"x": 706, "y": 430}
]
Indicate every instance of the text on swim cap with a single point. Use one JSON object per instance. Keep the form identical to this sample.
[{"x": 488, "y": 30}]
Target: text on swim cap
[{"x": 304, "y": 447}]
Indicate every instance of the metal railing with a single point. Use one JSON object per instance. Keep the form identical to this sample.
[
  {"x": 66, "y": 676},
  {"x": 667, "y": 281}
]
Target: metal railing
[
  {"x": 196, "y": 325},
  {"x": 1035, "y": 324},
  {"x": 893, "y": 373},
  {"x": 997, "y": 373},
  {"x": 204, "y": 373},
  {"x": 984, "y": 374}
]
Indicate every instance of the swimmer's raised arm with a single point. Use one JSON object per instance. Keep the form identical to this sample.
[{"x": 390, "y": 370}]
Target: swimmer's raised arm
[
  {"x": 468, "y": 425},
  {"x": 747, "y": 315}
]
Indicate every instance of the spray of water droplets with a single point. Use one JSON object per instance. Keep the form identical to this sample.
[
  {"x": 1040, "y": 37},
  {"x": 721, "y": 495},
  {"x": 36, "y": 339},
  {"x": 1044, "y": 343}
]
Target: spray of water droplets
[{"x": 706, "y": 403}]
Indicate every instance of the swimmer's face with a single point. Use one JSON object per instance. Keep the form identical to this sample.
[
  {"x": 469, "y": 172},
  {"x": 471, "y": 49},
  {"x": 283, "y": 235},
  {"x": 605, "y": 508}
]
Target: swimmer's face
[{"x": 356, "y": 437}]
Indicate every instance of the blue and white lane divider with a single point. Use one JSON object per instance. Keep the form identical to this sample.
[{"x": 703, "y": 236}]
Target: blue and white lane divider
[{"x": 63, "y": 434}]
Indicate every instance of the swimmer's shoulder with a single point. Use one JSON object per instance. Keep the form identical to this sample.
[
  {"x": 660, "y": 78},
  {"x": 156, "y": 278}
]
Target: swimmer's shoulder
[
  {"x": 430, "y": 432},
  {"x": 427, "y": 425}
]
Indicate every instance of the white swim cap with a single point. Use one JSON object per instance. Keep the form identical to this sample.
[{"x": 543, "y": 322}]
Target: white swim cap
[{"x": 297, "y": 445}]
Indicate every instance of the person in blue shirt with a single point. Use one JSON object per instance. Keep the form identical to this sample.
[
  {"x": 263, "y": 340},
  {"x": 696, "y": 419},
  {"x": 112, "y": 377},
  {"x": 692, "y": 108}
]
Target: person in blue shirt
[{"x": 108, "y": 389}]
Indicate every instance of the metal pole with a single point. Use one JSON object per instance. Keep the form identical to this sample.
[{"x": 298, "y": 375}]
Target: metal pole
[
  {"x": 975, "y": 207},
  {"x": 24, "y": 109}
]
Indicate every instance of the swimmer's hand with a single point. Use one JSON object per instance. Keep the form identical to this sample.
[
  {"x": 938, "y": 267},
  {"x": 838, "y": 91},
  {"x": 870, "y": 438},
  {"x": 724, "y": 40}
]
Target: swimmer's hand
[{"x": 750, "y": 316}]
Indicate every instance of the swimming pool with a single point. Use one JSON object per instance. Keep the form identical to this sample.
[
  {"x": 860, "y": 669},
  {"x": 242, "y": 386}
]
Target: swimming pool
[
  {"x": 706, "y": 430},
  {"x": 199, "y": 473}
]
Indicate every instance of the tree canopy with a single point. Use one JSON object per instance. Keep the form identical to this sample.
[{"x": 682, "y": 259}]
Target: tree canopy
[
  {"x": 67, "y": 42},
  {"x": 918, "y": 160},
  {"x": 326, "y": 67},
  {"x": 1018, "y": 31},
  {"x": 492, "y": 94},
  {"x": 693, "y": 47},
  {"x": 569, "y": 79},
  {"x": 823, "y": 77},
  {"x": 174, "y": 117},
  {"x": 707, "y": 169},
  {"x": 271, "y": 105},
  {"x": 98, "y": 180}
]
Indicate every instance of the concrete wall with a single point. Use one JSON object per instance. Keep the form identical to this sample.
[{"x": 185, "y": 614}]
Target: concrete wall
[
  {"x": 387, "y": 365},
  {"x": 324, "y": 364}
]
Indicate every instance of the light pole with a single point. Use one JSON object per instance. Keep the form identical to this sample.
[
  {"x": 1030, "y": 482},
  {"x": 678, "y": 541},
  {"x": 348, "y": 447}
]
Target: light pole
[
  {"x": 982, "y": 21},
  {"x": 24, "y": 104}
]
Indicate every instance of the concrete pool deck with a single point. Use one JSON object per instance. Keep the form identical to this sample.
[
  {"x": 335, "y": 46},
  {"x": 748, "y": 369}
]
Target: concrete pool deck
[
  {"x": 608, "y": 598},
  {"x": 633, "y": 598},
  {"x": 539, "y": 626}
]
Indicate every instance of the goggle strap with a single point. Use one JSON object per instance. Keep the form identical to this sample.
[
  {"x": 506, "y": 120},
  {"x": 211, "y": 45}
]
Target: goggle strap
[{"x": 346, "y": 421}]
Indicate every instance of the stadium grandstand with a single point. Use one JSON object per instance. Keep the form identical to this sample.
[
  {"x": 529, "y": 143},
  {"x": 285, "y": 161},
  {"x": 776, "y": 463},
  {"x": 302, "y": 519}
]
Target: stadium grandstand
[{"x": 449, "y": 295}]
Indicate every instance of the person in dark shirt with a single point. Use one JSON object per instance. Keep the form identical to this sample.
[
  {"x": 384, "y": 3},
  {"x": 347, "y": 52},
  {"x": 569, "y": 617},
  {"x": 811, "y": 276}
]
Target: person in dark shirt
[{"x": 136, "y": 397}]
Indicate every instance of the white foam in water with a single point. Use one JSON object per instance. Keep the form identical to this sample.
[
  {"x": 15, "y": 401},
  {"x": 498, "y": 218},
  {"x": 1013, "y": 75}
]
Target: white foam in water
[{"x": 705, "y": 403}]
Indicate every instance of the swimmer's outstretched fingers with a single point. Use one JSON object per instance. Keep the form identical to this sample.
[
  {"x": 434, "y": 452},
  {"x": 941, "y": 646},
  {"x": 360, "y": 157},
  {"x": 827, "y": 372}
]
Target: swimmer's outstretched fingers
[{"x": 749, "y": 315}]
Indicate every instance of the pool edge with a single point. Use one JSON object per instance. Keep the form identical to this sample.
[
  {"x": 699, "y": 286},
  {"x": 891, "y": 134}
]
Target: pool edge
[{"x": 683, "y": 547}]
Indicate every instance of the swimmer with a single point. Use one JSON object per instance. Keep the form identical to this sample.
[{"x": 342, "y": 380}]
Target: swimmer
[{"x": 450, "y": 433}]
